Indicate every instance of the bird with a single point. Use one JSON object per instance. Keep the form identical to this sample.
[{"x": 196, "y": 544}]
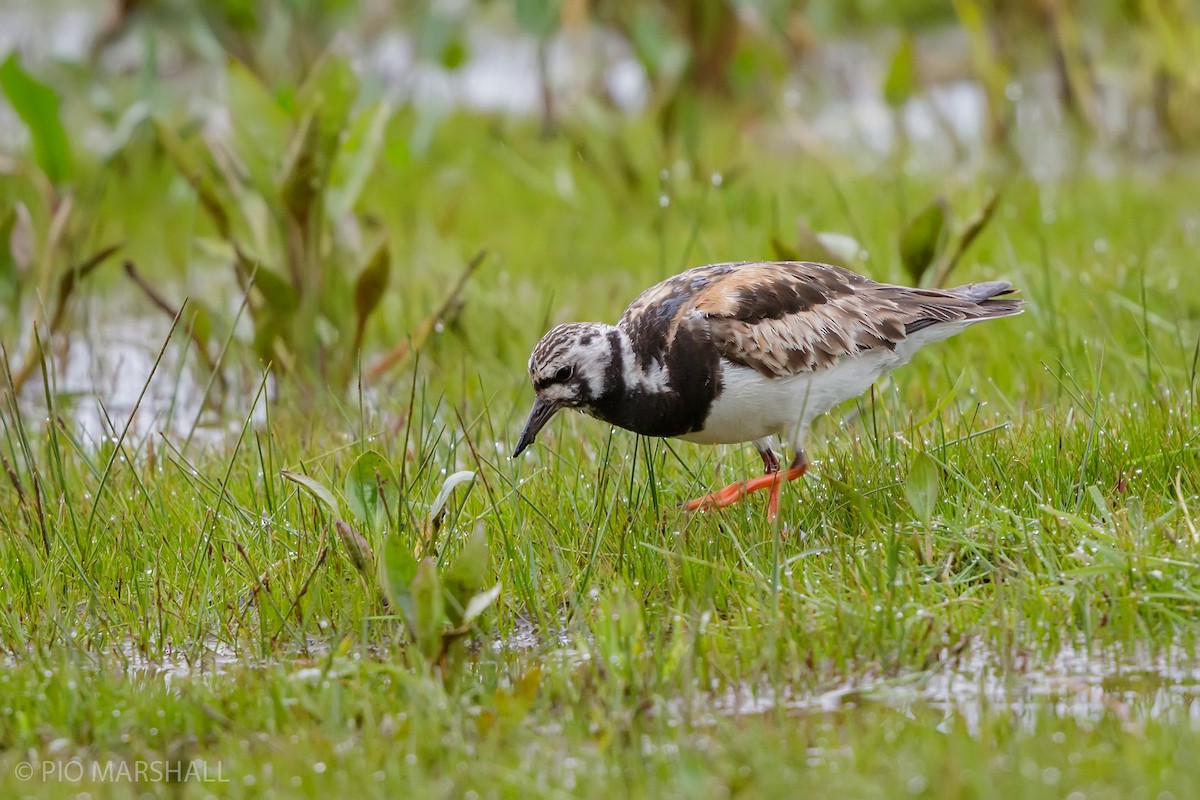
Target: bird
[{"x": 743, "y": 352}]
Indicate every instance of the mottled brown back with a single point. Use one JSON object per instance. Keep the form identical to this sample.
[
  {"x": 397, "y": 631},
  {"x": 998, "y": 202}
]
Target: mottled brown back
[{"x": 787, "y": 318}]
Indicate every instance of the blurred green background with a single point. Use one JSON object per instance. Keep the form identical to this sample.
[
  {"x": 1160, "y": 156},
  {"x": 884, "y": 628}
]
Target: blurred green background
[{"x": 332, "y": 154}]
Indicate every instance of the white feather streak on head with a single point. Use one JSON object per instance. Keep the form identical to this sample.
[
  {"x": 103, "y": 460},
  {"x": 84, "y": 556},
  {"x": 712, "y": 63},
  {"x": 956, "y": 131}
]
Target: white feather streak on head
[
  {"x": 570, "y": 363},
  {"x": 586, "y": 350},
  {"x": 655, "y": 378}
]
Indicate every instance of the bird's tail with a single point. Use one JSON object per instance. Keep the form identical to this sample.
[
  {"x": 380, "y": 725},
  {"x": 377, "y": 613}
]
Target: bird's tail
[
  {"x": 963, "y": 305},
  {"x": 984, "y": 296}
]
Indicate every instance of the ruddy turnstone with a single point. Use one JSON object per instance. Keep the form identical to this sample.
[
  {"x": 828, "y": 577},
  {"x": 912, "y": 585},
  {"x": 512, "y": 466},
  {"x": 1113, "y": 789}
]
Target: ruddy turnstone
[{"x": 743, "y": 352}]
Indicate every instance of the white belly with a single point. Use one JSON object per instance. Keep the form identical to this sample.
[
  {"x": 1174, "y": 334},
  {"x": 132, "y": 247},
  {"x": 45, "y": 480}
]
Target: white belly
[{"x": 753, "y": 406}]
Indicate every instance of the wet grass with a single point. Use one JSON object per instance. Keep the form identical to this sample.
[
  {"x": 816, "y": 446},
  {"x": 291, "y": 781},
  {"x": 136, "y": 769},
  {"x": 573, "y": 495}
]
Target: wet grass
[{"x": 179, "y": 600}]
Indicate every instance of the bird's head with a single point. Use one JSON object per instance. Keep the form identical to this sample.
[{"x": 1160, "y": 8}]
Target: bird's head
[{"x": 569, "y": 368}]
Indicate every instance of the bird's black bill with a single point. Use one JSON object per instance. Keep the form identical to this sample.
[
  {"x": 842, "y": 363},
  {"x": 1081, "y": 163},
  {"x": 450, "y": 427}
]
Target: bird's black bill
[{"x": 539, "y": 415}]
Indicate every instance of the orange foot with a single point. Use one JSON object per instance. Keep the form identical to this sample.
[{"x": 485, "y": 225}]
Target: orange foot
[{"x": 742, "y": 489}]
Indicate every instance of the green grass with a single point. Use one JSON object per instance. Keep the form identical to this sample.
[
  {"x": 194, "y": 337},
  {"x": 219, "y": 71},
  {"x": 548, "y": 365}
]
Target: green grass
[{"x": 1065, "y": 442}]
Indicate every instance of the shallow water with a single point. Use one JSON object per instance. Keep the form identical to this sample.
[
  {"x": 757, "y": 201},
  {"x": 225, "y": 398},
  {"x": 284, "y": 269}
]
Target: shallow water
[
  {"x": 1131, "y": 684},
  {"x": 1074, "y": 683},
  {"x": 106, "y": 379},
  {"x": 213, "y": 658}
]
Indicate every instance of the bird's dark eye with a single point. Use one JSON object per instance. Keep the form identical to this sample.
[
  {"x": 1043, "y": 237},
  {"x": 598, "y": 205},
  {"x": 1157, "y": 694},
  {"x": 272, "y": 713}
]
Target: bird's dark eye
[{"x": 563, "y": 374}]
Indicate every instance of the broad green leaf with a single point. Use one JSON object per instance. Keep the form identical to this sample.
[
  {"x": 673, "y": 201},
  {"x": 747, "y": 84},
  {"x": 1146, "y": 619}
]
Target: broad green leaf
[
  {"x": 356, "y": 158},
  {"x": 38, "y": 107},
  {"x": 471, "y": 566},
  {"x": 302, "y": 182},
  {"x": 901, "y": 81},
  {"x": 922, "y": 487},
  {"x": 194, "y": 174},
  {"x": 429, "y": 608},
  {"x": 261, "y": 126},
  {"x": 371, "y": 489},
  {"x": 921, "y": 239},
  {"x": 469, "y": 572},
  {"x": 369, "y": 289},
  {"x": 400, "y": 569},
  {"x": 279, "y": 294},
  {"x": 315, "y": 488},
  {"x": 327, "y": 95},
  {"x": 334, "y": 304},
  {"x": 8, "y": 265}
]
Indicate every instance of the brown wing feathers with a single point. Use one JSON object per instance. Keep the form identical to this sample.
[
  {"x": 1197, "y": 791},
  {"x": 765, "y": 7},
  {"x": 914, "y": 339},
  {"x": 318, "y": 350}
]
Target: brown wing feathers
[
  {"x": 785, "y": 318},
  {"x": 794, "y": 318}
]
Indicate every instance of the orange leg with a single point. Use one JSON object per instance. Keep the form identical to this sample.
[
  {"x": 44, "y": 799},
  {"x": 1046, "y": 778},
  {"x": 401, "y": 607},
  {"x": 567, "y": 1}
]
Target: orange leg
[{"x": 773, "y": 479}]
